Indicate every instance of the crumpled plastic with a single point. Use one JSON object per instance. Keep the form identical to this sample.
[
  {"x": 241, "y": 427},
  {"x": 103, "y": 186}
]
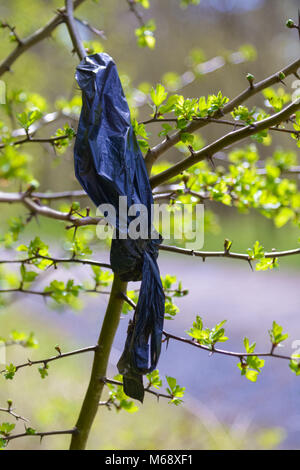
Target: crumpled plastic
[{"x": 109, "y": 164}]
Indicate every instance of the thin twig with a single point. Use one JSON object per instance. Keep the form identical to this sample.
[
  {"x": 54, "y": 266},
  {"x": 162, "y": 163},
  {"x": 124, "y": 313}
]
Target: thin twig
[
  {"x": 173, "y": 249},
  {"x": 30, "y": 363},
  {"x": 133, "y": 8},
  {"x": 12, "y": 30},
  {"x": 220, "y": 121},
  {"x": 227, "y": 254},
  {"x": 152, "y": 392},
  {"x": 47, "y": 293},
  {"x": 17, "y": 197},
  {"x": 70, "y": 22},
  {"x": 11, "y": 412},
  {"x": 36, "y": 208},
  {"x": 55, "y": 261},
  {"x": 31, "y": 140},
  {"x": 38, "y": 434},
  {"x": 226, "y": 353},
  {"x": 91, "y": 28}
]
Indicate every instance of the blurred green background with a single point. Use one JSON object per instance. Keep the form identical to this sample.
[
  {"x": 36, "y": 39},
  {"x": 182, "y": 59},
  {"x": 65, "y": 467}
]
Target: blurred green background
[{"x": 217, "y": 27}]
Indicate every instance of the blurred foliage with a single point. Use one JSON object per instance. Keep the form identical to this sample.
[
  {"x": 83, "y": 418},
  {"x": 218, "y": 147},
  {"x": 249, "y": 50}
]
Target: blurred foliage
[{"x": 59, "y": 397}]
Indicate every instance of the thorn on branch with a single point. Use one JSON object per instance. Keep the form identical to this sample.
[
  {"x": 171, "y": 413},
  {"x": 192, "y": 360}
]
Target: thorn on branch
[
  {"x": 191, "y": 150},
  {"x": 250, "y": 264},
  {"x": 211, "y": 161}
]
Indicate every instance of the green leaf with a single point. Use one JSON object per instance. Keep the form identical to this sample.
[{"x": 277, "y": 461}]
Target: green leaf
[
  {"x": 242, "y": 113},
  {"x": 61, "y": 145},
  {"x": 26, "y": 119},
  {"x": 276, "y": 334},
  {"x": 170, "y": 105},
  {"x": 249, "y": 348},
  {"x": 44, "y": 371},
  {"x": 175, "y": 391},
  {"x": 257, "y": 252},
  {"x": 119, "y": 399},
  {"x": 10, "y": 371},
  {"x": 30, "y": 431},
  {"x": 206, "y": 336},
  {"x": 187, "y": 138},
  {"x": 154, "y": 379},
  {"x": 251, "y": 375},
  {"x": 295, "y": 366},
  {"x": 276, "y": 99},
  {"x": 6, "y": 428},
  {"x": 27, "y": 276},
  {"x": 250, "y": 366},
  {"x": 158, "y": 95},
  {"x": 3, "y": 443},
  {"x": 171, "y": 382}
]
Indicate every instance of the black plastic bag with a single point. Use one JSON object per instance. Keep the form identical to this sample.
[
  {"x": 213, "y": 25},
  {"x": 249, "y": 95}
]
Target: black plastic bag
[{"x": 109, "y": 164}]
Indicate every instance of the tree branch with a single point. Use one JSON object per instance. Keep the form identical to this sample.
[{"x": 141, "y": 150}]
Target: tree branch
[
  {"x": 38, "y": 434},
  {"x": 30, "y": 363},
  {"x": 9, "y": 410},
  {"x": 94, "y": 30},
  {"x": 93, "y": 395},
  {"x": 219, "y": 121},
  {"x": 229, "y": 139},
  {"x": 36, "y": 208},
  {"x": 31, "y": 140},
  {"x": 158, "y": 395},
  {"x": 56, "y": 261},
  {"x": 239, "y": 355},
  {"x": 34, "y": 38},
  {"x": 17, "y": 197},
  {"x": 173, "y": 249},
  {"x": 227, "y": 254},
  {"x": 47, "y": 293},
  {"x": 193, "y": 126}
]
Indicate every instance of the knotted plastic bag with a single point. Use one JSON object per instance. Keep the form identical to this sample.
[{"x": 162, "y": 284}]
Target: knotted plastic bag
[{"x": 109, "y": 164}]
